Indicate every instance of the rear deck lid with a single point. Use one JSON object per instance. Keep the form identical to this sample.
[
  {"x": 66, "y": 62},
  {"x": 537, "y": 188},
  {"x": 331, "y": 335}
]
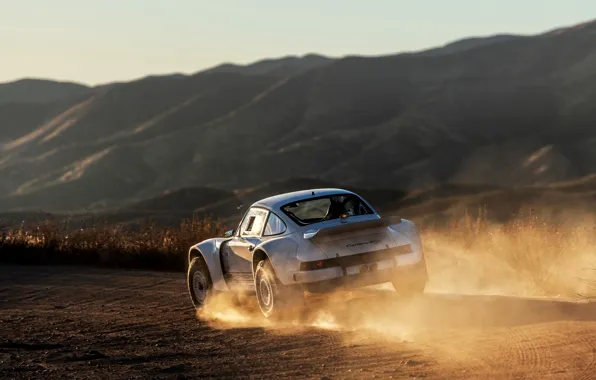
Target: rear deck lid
[{"x": 353, "y": 237}]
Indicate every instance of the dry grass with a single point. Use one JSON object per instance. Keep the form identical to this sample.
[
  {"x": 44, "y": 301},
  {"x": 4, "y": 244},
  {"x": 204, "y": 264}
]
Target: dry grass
[
  {"x": 102, "y": 244},
  {"x": 528, "y": 256}
]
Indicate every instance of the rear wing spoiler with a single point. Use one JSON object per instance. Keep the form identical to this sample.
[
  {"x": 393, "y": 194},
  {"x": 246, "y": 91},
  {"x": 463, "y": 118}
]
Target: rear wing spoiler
[{"x": 323, "y": 233}]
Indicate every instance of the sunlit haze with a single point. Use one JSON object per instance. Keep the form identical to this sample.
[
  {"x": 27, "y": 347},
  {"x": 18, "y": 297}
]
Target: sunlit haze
[{"x": 109, "y": 40}]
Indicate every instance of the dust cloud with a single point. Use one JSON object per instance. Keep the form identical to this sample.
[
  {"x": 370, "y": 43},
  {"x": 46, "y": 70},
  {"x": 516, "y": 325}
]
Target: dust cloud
[
  {"x": 341, "y": 311},
  {"x": 527, "y": 257}
]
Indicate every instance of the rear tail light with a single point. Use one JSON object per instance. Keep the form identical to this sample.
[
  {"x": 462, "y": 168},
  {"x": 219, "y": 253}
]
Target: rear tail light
[{"x": 318, "y": 264}]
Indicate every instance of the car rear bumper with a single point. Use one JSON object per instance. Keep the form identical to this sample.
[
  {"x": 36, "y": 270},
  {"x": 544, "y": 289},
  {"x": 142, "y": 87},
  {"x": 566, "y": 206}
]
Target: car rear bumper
[{"x": 329, "y": 279}]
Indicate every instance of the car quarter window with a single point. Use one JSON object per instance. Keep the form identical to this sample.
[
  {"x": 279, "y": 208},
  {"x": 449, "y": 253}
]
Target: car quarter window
[
  {"x": 274, "y": 226},
  {"x": 253, "y": 222}
]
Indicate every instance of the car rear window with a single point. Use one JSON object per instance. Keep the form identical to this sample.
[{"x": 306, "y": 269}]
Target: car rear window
[{"x": 314, "y": 210}]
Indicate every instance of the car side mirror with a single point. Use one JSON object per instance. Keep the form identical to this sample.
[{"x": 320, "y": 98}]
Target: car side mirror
[{"x": 229, "y": 233}]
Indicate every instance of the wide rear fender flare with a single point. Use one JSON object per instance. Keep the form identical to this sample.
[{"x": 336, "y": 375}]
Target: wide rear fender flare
[
  {"x": 209, "y": 251},
  {"x": 281, "y": 252}
]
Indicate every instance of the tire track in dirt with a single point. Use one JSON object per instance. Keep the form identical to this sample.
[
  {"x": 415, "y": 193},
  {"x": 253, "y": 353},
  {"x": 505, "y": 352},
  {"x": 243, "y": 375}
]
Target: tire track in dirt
[
  {"x": 453, "y": 352},
  {"x": 521, "y": 347},
  {"x": 589, "y": 372}
]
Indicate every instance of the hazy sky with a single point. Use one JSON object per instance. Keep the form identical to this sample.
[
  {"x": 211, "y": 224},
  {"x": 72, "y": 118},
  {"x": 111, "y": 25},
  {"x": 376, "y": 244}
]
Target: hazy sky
[{"x": 96, "y": 41}]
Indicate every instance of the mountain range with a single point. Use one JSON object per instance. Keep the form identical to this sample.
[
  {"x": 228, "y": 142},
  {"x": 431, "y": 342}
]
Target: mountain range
[{"x": 498, "y": 112}]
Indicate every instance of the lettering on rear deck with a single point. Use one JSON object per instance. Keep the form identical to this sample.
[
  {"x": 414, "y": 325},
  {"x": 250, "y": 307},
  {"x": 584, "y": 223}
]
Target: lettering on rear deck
[{"x": 362, "y": 243}]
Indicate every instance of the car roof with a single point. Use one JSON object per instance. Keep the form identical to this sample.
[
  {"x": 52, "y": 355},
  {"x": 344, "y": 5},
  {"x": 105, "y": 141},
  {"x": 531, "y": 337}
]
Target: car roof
[{"x": 277, "y": 201}]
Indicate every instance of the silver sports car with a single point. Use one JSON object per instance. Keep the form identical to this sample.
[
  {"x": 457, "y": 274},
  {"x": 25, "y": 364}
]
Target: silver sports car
[{"x": 314, "y": 241}]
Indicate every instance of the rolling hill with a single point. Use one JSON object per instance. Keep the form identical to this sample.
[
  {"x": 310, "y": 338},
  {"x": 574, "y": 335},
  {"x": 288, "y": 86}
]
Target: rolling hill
[
  {"x": 281, "y": 67},
  {"x": 37, "y": 91},
  {"x": 497, "y": 112}
]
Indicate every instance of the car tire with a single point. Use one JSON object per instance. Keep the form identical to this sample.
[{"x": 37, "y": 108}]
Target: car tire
[
  {"x": 275, "y": 300},
  {"x": 200, "y": 286}
]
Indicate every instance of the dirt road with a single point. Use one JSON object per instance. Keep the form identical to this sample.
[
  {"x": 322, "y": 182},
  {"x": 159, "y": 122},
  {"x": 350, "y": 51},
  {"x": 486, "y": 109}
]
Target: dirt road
[{"x": 92, "y": 323}]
